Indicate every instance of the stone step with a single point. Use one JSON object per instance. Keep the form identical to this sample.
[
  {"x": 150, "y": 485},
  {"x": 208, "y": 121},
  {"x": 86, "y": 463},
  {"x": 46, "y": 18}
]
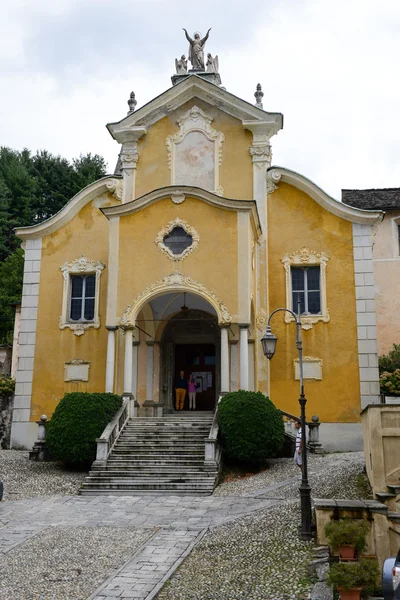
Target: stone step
[
  {"x": 117, "y": 463},
  {"x": 154, "y": 484},
  {"x": 150, "y": 478},
  {"x": 166, "y": 439},
  {"x": 175, "y": 491},
  {"x": 142, "y": 452},
  {"x": 394, "y": 489},
  {"x": 155, "y": 472},
  {"x": 160, "y": 446}
]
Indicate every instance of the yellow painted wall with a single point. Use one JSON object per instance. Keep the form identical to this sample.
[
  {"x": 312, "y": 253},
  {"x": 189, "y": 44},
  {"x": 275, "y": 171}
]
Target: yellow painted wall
[
  {"x": 87, "y": 234},
  {"x": 295, "y": 220},
  {"x": 213, "y": 263},
  {"x": 236, "y": 170}
]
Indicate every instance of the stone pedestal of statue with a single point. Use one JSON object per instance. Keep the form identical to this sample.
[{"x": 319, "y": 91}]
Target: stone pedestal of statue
[{"x": 211, "y": 77}]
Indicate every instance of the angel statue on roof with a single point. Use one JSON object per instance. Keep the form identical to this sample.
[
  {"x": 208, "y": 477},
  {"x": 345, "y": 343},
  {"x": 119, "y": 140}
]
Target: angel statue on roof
[{"x": 196, "y": 53}]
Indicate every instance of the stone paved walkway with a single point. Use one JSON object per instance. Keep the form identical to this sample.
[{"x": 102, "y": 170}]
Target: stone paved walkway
[{"x": 180, "y": 523}]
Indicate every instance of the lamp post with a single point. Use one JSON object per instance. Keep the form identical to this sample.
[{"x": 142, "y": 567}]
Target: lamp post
[{"x": 269, "y": 341}]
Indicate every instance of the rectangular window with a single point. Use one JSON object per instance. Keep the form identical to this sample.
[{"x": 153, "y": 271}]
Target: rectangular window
[
  {"x": 82, "y": 297},
  {"x": 306, "y": 287},
  {"x": 398, "y": 237}
]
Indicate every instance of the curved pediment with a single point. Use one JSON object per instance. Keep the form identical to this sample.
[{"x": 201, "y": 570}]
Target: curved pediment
[
  {"x": 112, "y": 184},
  {"x": 275, "y": 175},
  {"x": 177, "y": 194}
]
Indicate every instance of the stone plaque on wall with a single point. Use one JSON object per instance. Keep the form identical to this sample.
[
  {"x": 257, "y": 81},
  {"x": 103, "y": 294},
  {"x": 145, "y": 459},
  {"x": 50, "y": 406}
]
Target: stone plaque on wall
[
  {"x": 312, "y": 368},
  {"x": 76, "y": 370}
]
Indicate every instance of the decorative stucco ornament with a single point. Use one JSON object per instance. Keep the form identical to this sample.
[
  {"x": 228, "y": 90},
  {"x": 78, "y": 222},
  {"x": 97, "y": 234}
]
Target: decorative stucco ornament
[
  {"x": 304, "y": 257},
  {"x": 273, "y": 179},
  {"x": 196, "y": 52},
  {"x": 78, "y": 267},
  {"x": 177, "y": 197},
  {"x": 261, "y": 320},
  {"x": 167, "y": 229},
  {"x": 179, "y": 282},
  {"x": 115, "y": 187}
]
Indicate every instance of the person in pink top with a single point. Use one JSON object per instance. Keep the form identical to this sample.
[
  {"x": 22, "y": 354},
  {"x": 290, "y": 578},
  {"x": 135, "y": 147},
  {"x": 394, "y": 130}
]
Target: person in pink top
[{"x": 191, "y": 385}]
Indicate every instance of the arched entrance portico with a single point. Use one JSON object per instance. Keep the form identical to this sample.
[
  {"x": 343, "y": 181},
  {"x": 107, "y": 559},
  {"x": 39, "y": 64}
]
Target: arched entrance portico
[{"x": 190, "y": 342}]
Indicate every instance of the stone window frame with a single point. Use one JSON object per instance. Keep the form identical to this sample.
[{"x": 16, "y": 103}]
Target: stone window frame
[
  {"x": 167, "y": 229},
  {"x": 396, "y": 236},
  {"x": 303, "y": 258},
  {"x": 80, "y": 266}
]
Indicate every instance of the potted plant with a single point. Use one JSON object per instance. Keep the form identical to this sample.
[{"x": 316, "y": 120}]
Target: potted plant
[
  {"x": 350, "y": 578},
  {"x": 347, "y": 536}
]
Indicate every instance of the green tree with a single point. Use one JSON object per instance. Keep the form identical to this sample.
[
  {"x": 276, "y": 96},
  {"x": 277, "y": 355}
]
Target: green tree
[
  {"x": 391, "y": 361},
  {"x": 33, "y": 188}
]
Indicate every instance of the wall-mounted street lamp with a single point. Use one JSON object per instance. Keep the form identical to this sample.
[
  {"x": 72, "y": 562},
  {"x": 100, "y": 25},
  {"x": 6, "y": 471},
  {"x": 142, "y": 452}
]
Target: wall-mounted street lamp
[{"x": 269, "y": 341}]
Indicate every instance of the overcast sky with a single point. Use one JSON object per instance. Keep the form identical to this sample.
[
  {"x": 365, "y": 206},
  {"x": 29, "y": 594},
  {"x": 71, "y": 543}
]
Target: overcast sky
[{"x": 330, "y": 66}]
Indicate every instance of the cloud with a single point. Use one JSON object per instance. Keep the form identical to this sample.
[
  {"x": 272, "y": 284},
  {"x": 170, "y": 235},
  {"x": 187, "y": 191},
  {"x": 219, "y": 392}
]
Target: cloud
[{"x": 67, "y": 67}]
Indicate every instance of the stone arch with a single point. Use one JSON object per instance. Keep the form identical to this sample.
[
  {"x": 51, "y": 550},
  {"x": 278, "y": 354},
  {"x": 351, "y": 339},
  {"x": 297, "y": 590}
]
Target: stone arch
[{"x": 176, "y": 282}]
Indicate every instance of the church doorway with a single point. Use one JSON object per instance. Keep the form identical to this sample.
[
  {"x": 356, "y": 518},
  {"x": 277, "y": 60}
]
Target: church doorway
[
  {"x": 200, "y": 360},
  {"x": 190, "y": 342}
]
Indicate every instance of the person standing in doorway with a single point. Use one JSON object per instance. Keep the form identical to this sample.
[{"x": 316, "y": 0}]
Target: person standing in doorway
[
  {"x": 297, "y": 453},
  {"x": 192, "y": 392},
  {"x": 180, "y": 391}
]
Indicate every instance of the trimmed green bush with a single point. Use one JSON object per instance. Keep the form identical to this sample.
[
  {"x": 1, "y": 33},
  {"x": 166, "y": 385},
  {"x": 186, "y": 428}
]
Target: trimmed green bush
[
  {"x": 348, "y": 575},
  {"x": 7, "y": 385},
  {"x": 78, "y": 420},
  {"x": 251, "y": 427},
  {"x": 347, "y": 532}
]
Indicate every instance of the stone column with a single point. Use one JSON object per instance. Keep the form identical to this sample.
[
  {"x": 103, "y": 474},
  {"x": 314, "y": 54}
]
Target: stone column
[
  {"x": 244, "y": 357},
  {"x": 150, "y": 370},
  {"x": 110, "y": 365},
  {"x": 129, "y": 156},
  {"x": 234, "y": 365},
  {"x": 128, "y": 361},
  {"x": 224, "y": 360},
  {"x": 135, "y": 368}
]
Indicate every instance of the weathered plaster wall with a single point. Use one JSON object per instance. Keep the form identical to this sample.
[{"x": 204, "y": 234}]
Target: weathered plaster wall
[
  {"x": 236, "y": 170},
  {"x": 386, "y": 262},
  {"x": 295, "y": 220},
  {"x": 214, "y": 263},
  {"x": 86, "y": 234}
]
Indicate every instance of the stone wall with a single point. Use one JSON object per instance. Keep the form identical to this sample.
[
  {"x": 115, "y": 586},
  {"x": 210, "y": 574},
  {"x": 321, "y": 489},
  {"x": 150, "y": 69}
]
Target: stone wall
[{"x": 5, "y": 359}]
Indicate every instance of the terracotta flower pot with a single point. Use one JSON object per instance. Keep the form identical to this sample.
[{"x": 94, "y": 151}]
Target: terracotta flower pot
[
  {"x": 352, "y": 594},
  {"x": 347, "y": 552}
]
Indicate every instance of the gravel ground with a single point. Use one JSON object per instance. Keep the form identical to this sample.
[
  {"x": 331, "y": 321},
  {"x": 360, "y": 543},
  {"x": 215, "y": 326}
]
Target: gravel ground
[
  {"x": 24, "y": 479},
  {"x": 280, "y": 469},
  {"x": 66, "y": 562},
  {"x": 261, "y": 556}
]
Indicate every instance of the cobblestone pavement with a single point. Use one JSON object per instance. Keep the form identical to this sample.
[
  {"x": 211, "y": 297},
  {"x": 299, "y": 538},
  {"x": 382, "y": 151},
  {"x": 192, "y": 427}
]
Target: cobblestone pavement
[
  {"x": 171, "y": 525},
  {"x": 180, "y": 521}
]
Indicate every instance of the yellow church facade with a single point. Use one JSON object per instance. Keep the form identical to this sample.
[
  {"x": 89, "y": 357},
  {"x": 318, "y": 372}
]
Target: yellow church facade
[{"x": 175, "y": 262}]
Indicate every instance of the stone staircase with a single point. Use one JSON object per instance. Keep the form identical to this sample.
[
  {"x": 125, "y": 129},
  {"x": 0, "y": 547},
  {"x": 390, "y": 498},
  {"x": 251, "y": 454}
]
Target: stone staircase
[{"x": 157, "y": 455}]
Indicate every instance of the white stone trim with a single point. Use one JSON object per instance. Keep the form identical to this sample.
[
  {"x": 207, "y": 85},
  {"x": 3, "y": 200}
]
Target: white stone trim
[
  {"x": 130, "y": 208},
  {"x": 21, "y": 424},
  {"x": 194, "y": 86},
  {"x": 176, "y": 281},
  {"x": 167, "y": 229},
  {"x": 366, "y": 318},
  {"x": 395, "y": 238},
  {"x": 109, "y": 184},
  {"x": 302, "y": 258},
  {"x": 355, "y": 215},
  {"x": 196, "y": 120},
  {"x": 80, "y": 266}
]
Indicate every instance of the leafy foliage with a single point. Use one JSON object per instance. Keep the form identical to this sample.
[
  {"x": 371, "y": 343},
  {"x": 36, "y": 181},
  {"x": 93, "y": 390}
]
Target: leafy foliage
[
  {"x": 390, "y": 362},
  {"x": 347, "y": 532},
  {"x": 7, "y": 385},
  {"x": 390, "y": 382},
  {"x": 251, "y": 426},
  {"x": 33, "y": 188},
  {"x": 361, "y": 574},
  {"x": 77, "y": 421}
]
